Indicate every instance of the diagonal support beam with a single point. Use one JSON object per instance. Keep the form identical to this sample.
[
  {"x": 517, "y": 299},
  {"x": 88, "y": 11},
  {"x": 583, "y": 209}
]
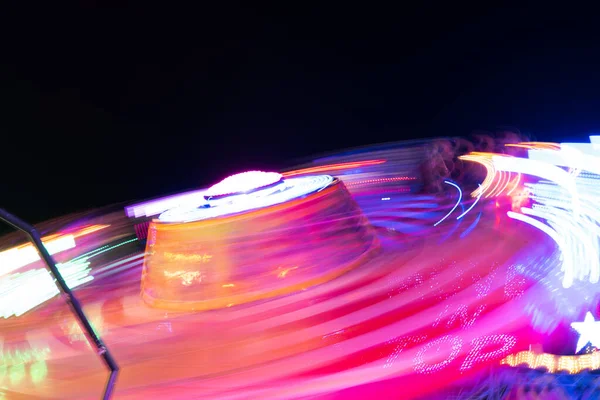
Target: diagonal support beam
[{"x": 93, "y": 338}]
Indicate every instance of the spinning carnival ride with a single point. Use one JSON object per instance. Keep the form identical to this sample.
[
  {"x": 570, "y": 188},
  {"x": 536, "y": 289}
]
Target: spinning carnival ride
[
  {"x": 212, "y": 255},
  {"x": 338, "y": 279}
]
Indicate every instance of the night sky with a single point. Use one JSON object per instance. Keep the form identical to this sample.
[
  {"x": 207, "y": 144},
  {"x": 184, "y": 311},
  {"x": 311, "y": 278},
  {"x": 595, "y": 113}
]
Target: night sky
[{"x": 102, "y": 105}]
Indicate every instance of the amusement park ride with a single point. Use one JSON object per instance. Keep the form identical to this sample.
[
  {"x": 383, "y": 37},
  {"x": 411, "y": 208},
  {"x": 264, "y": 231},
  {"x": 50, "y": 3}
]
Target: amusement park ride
[{"x": 338, "y": 278}]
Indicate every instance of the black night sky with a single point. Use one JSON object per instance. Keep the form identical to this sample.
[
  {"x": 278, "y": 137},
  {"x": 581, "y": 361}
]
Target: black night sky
[{"x": 102, "y": 105}]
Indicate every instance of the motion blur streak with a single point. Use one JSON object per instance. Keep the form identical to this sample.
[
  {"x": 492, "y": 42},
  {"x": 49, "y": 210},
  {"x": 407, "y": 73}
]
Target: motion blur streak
[
  {"x": 471, "y": 206},
  {"x": 554, "y": 363},
  {"x": 456, "y": 205},
  {"x": 333, "y": 167},
  {"x": 21, "y": 256},
  {"x": 562, "y": 186},
  {"x": 566, "y": 203},
  {"x": 535, "y": 145},
  {"x": 13, "y": 259},
  {"x": 497, "y": 182},
  {"x": 21, "y": 292}
]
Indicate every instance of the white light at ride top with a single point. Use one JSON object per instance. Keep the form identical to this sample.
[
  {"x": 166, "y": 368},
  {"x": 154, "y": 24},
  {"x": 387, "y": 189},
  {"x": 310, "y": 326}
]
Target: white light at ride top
[
  {"x": 243, "y": 183},
  {"x": 188, "y": 206},
  {"x": 234, "y": 184},
  {"x": 15, "y": 258},
  {"x": 261, "y": 193},
  {"x": 565, "y": 204}
]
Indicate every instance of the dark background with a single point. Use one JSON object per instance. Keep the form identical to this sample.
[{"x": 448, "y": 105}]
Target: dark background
[{"x": 110, "y": 104}]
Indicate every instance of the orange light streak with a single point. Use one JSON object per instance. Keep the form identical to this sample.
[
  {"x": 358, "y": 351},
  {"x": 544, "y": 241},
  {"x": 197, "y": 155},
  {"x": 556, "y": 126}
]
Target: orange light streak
[
  {"x": 554, "y": 363},
  {"x": 332, "y": 167},
  {"x": 380, "y": 180},
  {"x": 536, "y": 145},
  {"x": 515, "y": 184},
  {"x": 484, "y": 159},
  {"x": 495, "y": 182},
  {"x": 89, "y": 229}
]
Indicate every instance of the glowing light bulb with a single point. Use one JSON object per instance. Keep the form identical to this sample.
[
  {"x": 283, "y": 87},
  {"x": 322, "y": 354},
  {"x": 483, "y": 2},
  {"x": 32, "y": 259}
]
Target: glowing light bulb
[{"x": 245, "y": 182}]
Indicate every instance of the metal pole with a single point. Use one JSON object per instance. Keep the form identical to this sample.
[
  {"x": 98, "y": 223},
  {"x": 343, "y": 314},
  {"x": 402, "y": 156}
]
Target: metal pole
[{"x": 92, "y": 337}]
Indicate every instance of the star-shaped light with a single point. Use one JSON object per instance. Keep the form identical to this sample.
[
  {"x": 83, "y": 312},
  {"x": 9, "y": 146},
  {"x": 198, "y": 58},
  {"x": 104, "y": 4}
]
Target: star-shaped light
[{"x": 589, "y": 331}]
